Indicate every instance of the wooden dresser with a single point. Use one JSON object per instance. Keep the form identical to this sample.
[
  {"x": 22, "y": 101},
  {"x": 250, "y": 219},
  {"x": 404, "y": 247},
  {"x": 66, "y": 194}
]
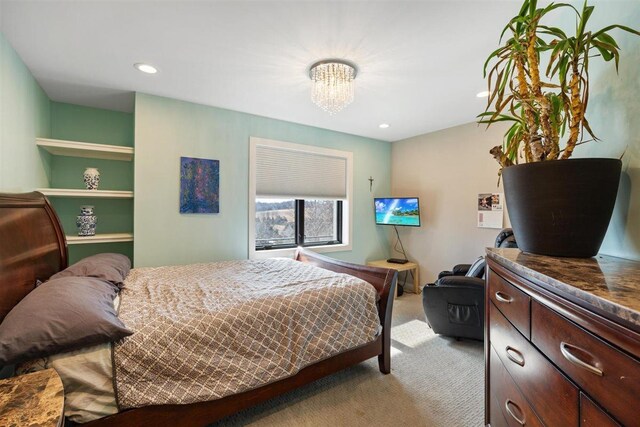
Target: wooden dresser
[{"x": 562, "y": 341}]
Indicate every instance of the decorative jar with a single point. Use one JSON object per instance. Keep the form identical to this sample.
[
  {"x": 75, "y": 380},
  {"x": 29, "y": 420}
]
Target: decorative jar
[
  {"x": 91, "y": 178},
  {"x": 86, "y": 221}
]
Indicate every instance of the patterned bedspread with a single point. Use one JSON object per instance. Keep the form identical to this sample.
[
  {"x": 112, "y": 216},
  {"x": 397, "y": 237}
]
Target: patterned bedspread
[{"x": 205, "y": 331}]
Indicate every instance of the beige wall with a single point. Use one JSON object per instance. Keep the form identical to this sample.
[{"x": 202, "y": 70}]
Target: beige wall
[{"x": 446, "y": 169}]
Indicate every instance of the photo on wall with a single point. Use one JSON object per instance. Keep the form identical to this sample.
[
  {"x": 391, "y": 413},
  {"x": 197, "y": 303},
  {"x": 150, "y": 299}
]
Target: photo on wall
[
  {"x": 199, "y": 185},
  {"x": 490, "y": 210}
]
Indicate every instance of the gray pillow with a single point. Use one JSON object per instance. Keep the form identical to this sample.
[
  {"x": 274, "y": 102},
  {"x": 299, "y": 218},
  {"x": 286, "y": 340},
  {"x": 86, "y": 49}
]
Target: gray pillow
[
  {"x": 110, "y": 267},
  {"x": 477, "y": 268},
  {"x": 60, "y": 315}
]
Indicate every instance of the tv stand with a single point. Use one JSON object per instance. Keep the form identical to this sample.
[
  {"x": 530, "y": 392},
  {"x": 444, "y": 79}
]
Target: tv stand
[{"x": 397, "y": 261}]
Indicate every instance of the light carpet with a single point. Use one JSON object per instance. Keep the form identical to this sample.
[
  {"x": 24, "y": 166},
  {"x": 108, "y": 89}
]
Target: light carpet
[{"x": 434, "y": 381}]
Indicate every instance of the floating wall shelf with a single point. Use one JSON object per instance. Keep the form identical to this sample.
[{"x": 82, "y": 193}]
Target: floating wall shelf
[
  {"x": 60, "y": 147},
  {"x": 100, "y": 238},
  {"x": 70, "y": 192}
]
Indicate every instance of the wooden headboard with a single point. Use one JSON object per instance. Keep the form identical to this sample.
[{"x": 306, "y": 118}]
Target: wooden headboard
[{"x": 32, "y": 246}]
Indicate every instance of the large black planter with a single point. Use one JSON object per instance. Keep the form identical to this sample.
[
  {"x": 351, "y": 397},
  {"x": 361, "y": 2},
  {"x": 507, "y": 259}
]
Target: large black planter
[{"x": 561, "y": 207}]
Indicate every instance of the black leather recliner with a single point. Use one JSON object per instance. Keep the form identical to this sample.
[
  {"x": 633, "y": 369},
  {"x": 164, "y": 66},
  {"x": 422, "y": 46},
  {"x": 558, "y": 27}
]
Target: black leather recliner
[{"x": 454, "y": 304}]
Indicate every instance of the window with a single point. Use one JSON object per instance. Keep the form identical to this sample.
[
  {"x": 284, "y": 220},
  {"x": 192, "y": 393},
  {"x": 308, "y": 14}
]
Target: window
[
  {"x": 287, "y": 223},
  {"x": 322, "y": 222},
  {"x": 275, "y": 223},
  {"x": 299, "y": 195}
]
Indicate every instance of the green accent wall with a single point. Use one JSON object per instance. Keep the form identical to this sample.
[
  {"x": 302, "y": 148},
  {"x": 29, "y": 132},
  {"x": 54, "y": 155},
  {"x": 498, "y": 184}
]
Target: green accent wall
[
  {"x": 77, "y": 123},
  {"x": 85, "y": 124},
  {"x": 166, "y": 129},
  {"x": 24, "y": 115}
]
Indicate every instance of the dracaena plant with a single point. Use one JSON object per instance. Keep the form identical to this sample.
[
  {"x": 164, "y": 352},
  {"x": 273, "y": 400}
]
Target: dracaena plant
[{"x": 545, "y": 105}]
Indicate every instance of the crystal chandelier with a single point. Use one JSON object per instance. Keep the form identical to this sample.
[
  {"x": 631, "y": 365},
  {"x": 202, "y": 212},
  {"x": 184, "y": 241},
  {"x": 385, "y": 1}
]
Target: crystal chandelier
[{"x": 332, "y": 88}]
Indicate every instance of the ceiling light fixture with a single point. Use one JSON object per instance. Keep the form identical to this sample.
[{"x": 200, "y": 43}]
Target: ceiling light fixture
[
  {"x": 145, "y": 68},
  {"x": 383, "y": 125},
  {"x": 332, "y": 87},
  {"x": 483, "y": 94}
]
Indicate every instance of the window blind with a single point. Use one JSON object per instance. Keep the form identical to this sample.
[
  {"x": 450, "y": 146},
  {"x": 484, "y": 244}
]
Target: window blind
[{"x": 282, "y": 172}]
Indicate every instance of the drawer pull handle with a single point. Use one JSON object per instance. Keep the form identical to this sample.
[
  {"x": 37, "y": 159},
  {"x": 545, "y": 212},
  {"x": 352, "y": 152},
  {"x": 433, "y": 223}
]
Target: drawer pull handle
[
  {"x": 515, "y": 356},
  {"x": 564, "y": 349},
  {"x": 502, "y": 297},
  {"x": 507, "y": 404}
]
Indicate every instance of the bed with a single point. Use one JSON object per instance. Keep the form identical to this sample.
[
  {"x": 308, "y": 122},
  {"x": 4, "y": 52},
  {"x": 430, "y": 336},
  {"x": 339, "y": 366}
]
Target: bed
[{"x": 34, "y": 248}]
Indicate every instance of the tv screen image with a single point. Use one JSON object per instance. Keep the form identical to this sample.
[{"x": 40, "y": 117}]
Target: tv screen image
[{"x": 397, "y": 211}]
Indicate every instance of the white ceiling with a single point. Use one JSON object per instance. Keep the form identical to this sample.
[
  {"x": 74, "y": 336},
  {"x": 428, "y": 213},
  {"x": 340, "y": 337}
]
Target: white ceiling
[{"x": 420, "y": 62}]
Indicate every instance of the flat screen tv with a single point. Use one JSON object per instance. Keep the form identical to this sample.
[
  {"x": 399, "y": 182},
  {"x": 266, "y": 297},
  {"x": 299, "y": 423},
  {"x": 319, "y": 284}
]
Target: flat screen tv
[{"x": 397, "y": 211}]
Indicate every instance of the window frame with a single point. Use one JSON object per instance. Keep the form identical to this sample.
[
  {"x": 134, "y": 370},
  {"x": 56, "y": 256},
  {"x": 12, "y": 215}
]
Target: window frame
[{"x": 345, "y": 218}]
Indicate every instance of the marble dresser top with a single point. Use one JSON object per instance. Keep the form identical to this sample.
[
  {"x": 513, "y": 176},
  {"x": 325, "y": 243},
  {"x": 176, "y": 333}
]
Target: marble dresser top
[
  {"x": 607, "y": 284},
  {"x": 32, "y": 400}
]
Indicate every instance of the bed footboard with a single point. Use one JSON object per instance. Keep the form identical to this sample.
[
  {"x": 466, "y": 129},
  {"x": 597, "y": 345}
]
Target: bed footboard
[{"x": 382, "y": 279}]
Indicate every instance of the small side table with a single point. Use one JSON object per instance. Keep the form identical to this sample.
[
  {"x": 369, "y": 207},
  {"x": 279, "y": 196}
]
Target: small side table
[
  {"x": 35, "y": 399},
  {"x": 409, "y": 266}
]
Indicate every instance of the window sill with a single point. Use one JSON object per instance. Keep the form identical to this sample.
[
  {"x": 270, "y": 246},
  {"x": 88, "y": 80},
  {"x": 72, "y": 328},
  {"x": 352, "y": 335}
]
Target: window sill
[{"x": 289, "y": 252}]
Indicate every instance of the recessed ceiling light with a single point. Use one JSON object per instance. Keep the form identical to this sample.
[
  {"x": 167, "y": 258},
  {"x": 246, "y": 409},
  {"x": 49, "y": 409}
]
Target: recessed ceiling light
[
  {"x": 483, "y": 94},
  {"x": 146, "y": 68},
  {"x": 383, "y": 125}
]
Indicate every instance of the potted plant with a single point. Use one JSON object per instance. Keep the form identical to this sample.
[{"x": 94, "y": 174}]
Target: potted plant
[{"x": 539, "y": 83}]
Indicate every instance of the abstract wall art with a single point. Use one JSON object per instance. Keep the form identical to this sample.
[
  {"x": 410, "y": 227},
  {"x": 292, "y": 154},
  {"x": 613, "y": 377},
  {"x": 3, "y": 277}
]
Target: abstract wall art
[{"x": 199, "y": 185}]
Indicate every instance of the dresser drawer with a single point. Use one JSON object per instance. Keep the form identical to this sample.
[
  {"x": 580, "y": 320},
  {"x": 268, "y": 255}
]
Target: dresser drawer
[
  {"x": 554, "y": 398},
  {"x": 591, "y": 415},
  {"x": 511, "y": 301},
  {"x": 514, "y": 407},
  {"x": 609, "y": 376},
  {"x": 496, "y": 418}
]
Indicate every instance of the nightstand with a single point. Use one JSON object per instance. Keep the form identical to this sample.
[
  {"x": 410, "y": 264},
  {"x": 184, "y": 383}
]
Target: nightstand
[
  {"x": 35, "y": 399},
  {"x": 408, "y": 266}
]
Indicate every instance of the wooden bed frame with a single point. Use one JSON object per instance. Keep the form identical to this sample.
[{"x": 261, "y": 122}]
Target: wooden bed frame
[{"x": 33, "y": 247}]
